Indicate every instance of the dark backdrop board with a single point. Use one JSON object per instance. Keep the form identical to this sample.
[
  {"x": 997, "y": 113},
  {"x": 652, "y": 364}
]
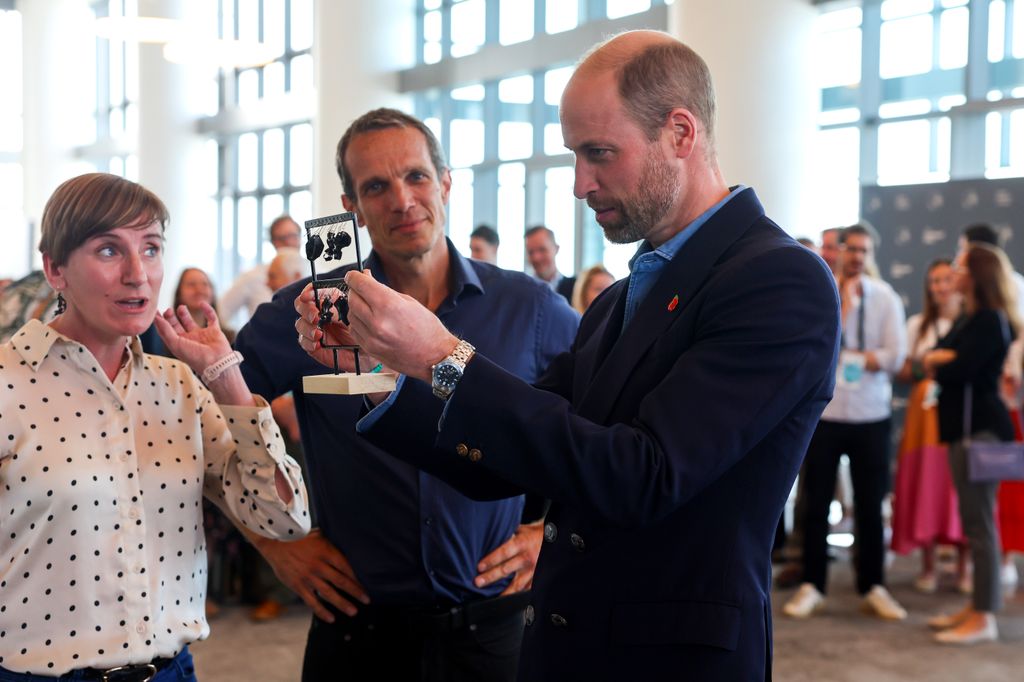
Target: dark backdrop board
[{"x": 919, "y": 223}]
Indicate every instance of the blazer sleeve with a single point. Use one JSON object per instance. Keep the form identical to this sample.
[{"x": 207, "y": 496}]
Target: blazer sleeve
[
  {"x": 766, "y": 342},
  {"x": 975, "y": 346}
]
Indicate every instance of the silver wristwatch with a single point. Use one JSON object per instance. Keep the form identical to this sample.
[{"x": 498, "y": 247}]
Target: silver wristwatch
[{"x": 445, "y": 375}]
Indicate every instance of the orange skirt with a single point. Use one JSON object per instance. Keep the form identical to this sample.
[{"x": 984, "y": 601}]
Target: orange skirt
[{"x": 925, "y": 508}]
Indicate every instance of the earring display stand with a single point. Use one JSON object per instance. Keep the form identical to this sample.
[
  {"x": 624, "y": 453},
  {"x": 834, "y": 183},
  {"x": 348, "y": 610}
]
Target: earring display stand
[{"x": 327, "y": 237}]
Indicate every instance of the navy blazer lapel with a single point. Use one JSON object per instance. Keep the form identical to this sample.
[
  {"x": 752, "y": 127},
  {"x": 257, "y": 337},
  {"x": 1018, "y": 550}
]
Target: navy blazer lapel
[{"x": 620, "y": 350}]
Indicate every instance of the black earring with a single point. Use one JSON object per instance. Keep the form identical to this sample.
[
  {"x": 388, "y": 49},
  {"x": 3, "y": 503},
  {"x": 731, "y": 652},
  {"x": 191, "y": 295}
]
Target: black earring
[
  {"x": 62, "y": 305},
  {"x": 314, "y": 247}
]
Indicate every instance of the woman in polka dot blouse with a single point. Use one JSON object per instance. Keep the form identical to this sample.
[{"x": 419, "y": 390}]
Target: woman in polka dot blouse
[{"x": 106, "y": 453}]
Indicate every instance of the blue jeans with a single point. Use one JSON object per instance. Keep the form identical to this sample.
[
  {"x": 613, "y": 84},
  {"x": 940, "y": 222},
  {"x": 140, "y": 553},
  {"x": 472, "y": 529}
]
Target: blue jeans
[{"x": 181, "y": 669}]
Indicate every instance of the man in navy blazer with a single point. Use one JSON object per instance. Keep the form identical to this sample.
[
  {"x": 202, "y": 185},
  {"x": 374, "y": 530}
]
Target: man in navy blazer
[{"x": 669, "y": 436}]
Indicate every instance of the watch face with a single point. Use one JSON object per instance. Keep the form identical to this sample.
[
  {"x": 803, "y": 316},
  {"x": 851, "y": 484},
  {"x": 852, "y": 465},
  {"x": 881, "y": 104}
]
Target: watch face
[{"x": 446, "y": 376}]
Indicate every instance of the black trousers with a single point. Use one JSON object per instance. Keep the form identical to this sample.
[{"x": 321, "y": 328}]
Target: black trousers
[
  {"x": 867, "y": 446},
  {"x": 474, "y": 642}
]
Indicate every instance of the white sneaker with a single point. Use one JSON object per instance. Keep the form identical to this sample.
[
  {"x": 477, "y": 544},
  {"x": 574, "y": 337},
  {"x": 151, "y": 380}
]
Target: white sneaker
[
  {"x": 879, "y": 602},
  {"x": 1008, "y": 575},
  {"x": 926, "y": 583},
  {"x": 805, "y": 602}
]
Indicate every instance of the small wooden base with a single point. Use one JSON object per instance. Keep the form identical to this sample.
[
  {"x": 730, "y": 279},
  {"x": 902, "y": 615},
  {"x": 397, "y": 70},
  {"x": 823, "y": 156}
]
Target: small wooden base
[{"x": 350, "y": 383}]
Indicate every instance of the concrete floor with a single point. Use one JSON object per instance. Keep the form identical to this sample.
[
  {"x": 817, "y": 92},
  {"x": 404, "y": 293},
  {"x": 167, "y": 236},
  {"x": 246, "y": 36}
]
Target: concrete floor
[{"x": 839, "y": 645}]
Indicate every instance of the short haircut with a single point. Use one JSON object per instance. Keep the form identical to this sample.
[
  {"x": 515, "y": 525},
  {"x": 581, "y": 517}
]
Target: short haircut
[
  {"x": 981, "y": 233},
  {"x": 283, "y": 218},
  {"x": 487, "y": 233},
  {"x": 89, "y": 205},
  {"x": 830, "y": 230},
  {"x": 382, "y": 119},
  {"x": 863, "y": 227},
  {"x": 290, "y": 260},
  {"x": 657, "y": 79},
  {"x": 540, "y": 228}
]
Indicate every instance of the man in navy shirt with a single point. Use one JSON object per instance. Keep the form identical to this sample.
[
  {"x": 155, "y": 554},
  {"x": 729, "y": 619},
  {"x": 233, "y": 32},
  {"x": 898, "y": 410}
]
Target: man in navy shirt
[{"x": 408, "y": 578}]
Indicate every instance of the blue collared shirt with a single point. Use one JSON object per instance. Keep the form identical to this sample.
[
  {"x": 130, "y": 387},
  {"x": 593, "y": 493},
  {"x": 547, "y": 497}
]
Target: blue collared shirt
[
  {"x": 647, "y": 263},
  {"x": 411, "y": 538}
]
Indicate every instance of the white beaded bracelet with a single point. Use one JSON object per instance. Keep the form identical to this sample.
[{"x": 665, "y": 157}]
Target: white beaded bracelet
[{"x": 211, "y": 373}]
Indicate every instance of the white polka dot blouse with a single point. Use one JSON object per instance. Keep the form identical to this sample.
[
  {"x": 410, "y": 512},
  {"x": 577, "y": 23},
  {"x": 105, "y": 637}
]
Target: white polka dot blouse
[{"x": 102, "y": 553}]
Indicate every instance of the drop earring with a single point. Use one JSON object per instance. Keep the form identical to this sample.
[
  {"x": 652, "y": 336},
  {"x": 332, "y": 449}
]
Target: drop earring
[{"x": 62, "y": 304}]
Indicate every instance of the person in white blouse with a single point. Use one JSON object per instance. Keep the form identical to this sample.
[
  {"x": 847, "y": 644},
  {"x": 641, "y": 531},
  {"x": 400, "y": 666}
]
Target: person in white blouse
[
  {"x": 924, "y": 501},
  {"x": 106, "y": 453}
]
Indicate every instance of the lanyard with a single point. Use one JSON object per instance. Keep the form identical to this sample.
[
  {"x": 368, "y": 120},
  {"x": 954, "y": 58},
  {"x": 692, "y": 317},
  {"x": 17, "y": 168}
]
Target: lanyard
[{"x": 860, "y": 325}]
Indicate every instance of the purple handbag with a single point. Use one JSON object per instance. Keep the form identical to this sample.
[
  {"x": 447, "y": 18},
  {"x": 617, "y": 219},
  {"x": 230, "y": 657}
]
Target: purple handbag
[{"x": 990, "y": 462}]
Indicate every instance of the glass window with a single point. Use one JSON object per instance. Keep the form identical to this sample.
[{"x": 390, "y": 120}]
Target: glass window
[
  {"x": 300, "y": 205},
  {"x": 622, "y": 8},
  {"x": 515, "y": 140},
  {"x": 913, "y": 151},
  {"x": 273, "y": 18},
  {"x": 300, "y": 171},
  {"x": 996, "y": 30},
  {"x": 302, "y": 73},
  {"x": 1004, "y": 138},
  {"x": 516, "y": 90},
  {"x": 302, "y": 25},
  {"x": 11, "y": 123},
  {"x": 1018, "y": 29},
  {"x": 273, "y": 158},
  {"x": 515, "y": 23},
  {"x": 560, "y": 214},
  {"x": 467, "y": 143},
  {"x": 249, "y": 229},
  {"x": 953, "y": 30},
  {"x": 835, "y": 192},
  {"x": 460, "y": 209},
  {"x": 894, "y": 9},
  {"x": 468, "y": 26},
  {"x": 511, "y": 214},
  {"x": 248, "y": 160},
  {"x": 906, "y": 46},
  {"x": 561, "y": 15}
]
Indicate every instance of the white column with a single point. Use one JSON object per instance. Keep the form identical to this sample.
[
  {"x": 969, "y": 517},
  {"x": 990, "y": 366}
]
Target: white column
[
  {"x": 59, "y": 100},
  {"x": 358, "y": 48},
  {"x": 760, "y": 60},
  {"x": 171, "y": 159}
]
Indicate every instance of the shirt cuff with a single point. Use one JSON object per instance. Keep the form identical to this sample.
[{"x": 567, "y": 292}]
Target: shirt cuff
[
  {"x": 375, "y": 413},
  {"x": 255, "y": 431}
]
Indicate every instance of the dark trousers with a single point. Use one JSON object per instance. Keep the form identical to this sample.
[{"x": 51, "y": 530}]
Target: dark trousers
[
  {"x": 978, "y": 514},
  {"x": 476, "y": 642},
  {"x": 867, "y": 446}
]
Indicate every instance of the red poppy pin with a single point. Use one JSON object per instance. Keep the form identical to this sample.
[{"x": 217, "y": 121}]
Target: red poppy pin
[{"x": 673, "y": 303}]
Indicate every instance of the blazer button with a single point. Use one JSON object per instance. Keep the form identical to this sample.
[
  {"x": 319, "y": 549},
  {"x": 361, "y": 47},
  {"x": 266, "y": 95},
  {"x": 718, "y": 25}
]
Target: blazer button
[
  {"x": 461, "y": 450},
  {"x": 550, "y": 532},
  {"x": 558, "y": 621},
  {"x": 530, "y": 615},
  {"x": 577, "y": 542},
  {"x": 475, "y": 455}
]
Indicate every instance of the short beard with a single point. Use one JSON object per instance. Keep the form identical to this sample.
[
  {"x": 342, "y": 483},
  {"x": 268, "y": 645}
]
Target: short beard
[{"x": 657, "y": 190}]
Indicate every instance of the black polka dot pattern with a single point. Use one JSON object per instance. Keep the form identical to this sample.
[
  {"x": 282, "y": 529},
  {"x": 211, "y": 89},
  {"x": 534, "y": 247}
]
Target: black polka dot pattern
[{"x": 102, "y": 558}]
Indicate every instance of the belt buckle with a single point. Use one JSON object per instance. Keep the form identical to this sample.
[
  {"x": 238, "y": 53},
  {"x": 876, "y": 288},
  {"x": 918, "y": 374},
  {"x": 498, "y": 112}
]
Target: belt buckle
[{"x": 149, "y": 668}]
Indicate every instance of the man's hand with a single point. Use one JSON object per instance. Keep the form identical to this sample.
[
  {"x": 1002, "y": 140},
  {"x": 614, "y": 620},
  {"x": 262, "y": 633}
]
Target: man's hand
[
  {"x": 518, "y": 555},
  {"x": 335, "y": 333},
  {"x": 315, "y": 570},
  {"x": 395, "y": 328}
]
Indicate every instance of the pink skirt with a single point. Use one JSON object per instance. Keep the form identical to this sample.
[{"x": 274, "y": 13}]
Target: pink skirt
[{"x": 925, "y": 508}]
